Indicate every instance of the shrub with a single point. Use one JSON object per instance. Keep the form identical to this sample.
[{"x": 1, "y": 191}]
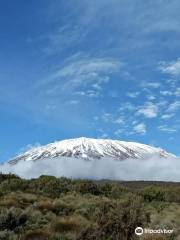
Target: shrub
[
  {"x": 4, "y": 177},
  {"x": 89, "y": 187},
  {"x": 12, "y": 219},
  {"x": 62, "y": 208},
  {"x": 49, "y": 186},
  {"x": 117, "y": 221},
  {"x": 172, "y": 195},
  {"x": 153, "y": 194},
  {"x": 37, "y": 220},
  {"x": 117, "y": 190},
  {"x": 12, "y": 185},
  {"x": 4, "y": 235}
]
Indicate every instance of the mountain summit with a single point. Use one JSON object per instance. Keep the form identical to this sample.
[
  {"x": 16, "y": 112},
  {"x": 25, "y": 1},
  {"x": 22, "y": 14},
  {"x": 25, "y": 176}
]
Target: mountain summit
[{"x": 89, "y": 149}]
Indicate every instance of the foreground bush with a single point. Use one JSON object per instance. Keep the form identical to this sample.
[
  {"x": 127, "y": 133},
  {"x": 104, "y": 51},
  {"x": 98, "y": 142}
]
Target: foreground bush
[
  {"x": 118, "y": 222},
  {"x": 12, "y": 219}
]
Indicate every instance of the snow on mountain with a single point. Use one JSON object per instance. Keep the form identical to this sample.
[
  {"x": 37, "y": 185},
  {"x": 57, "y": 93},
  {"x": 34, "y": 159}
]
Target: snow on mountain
[{"x": 90, "y": 149}]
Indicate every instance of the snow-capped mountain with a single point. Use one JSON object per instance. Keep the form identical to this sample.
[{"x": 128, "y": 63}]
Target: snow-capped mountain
[{"x": 88, "y": 149}]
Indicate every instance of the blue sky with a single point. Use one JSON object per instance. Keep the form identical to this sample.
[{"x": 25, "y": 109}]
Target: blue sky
[{"x": 103, "y": 69}]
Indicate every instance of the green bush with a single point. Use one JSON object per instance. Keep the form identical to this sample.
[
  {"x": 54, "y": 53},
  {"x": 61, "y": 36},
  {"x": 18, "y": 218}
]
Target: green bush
[
  {"x": 173, "y": 194},
  {"x": 88, "y": 187},
  {"x": 153, "y": 193},
  {"x": 11, "y": 185},
  {"x": 49, "y": 186},
  {"x": 4, "y": 177}
]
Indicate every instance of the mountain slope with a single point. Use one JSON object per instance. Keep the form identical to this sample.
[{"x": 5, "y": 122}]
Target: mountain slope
[{"x": 88, "y": 149}]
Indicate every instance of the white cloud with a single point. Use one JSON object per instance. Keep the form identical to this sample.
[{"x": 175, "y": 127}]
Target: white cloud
[
  {"x": 97, "y": 86},
  {"x": 81, "y": 75},
  {"x": 173, "y": 107},
  {"x": 167, "y": 116},
  {"x": 95, "y": 71},
  {"x": 140, "y": 128},
  {"x": 88, "y": 16},
  {"x": 92, "y": 93},
  {"x": 177, "y": 92},
  {"x": 166, "y": 93},
  {"x": 172, "y": 67},
  {"x": 149, "y": 110},
  {"x": 134, "y": 122},
  {"x": 152, "y": 168},
  {"x": 80, "y": 93},
  {"x": 151, "y": 97},
  {"x": 64, "y": 37},
  {"x": 133, "y": 94},
  {"x": 167, "y": 129},
  {"x": 162, "y": 103},
  {"x": 152, "y": 84},
  {"x": 119, "y": 120}
]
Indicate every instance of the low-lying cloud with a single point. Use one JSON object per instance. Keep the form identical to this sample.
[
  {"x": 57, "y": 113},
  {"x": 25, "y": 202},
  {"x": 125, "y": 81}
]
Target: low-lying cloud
[{"x": 154, "y": 168}]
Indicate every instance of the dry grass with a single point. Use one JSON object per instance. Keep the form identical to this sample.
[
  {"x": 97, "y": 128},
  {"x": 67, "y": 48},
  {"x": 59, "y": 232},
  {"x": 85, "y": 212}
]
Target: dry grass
[
  {"x": 68, "y": 224},
  {"x": 36, "y": 235}
]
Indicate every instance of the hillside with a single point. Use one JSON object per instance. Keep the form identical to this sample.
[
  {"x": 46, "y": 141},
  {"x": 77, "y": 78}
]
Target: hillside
[{"x": 50, "y": 208}]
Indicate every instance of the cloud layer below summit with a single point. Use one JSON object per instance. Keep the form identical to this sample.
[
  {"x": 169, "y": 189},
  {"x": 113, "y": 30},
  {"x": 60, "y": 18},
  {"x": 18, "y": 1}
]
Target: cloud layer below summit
[{"x": 154, "y": 168}]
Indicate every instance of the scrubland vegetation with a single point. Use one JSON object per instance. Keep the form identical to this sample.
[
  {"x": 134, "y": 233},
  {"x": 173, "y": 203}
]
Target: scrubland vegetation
[{"x": 49, "y": 208}]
